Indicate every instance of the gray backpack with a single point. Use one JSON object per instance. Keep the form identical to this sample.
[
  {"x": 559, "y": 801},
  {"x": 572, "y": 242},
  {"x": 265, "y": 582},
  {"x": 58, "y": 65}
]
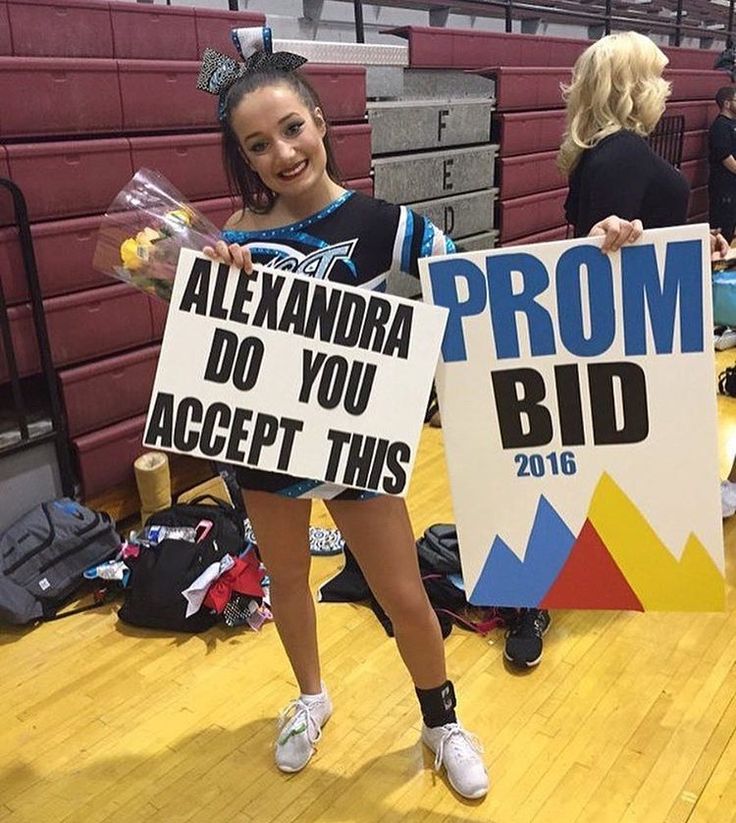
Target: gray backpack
[{"x": 43, "y": 556}]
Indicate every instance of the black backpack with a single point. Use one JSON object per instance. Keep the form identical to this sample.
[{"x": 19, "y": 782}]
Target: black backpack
[
  {"x": 43, "y": 556},
  {"x": 160, "y": 573},
  {"x": 228, "y": 523},
  {"x": 438, "y": 549}
]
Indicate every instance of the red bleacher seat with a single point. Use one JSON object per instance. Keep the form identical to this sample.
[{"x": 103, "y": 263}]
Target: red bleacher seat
[
  {"x": 109, "y": 390},
  {"x": 192, "y": 162},
  {"x": 92, "y": 96},
  {"x": 431, "y": 47},
  {"x": 352, "y": 147},
  {"x": 159, "y": 310},
  {"x": 532, "y": 214},
  {"x": 698, "y": 202},
  {"x": 60, "y": 28},
  {"x": 153, "y": 32},
  {"x": 96, "y": 322},
  {"x": 6, "y": 46},
  {"x": 695, "y": 144},
  {"x": 364, "y": 185},
  {"x": 213, "y": 28},
  {"x": 12, "y": 274},
  {"x": 527, "y": 88},
  {"x": 81, "y": 326},
  {"x": 218, "y": 209},
  {"x": 63, "y": 251},
  {"x": 6, "y": 202},
  {"x": 698, "y": 114},
  {"x": 42, "y": 96},
  {"x": 557, "y": 233},
  {"x": 696, "y": 172},
  {"x": 519, "y": 88},
  {"x": 532, "y": 132},
  {"x": 529, "y": 132},
  {"x": 99, "y": 28},
  {"x": 62, "y": 179},
  {"x": 105, "y": 457},
  {"x": 689, "y": 84},
  {"x": 23, "y": 335},
  {"x": 682, "y": 58},
  {"x": 462, "y": 49},
  {"x": 529, "y": 174},
  {"x": 160, "y": 95},
  {"x": 341, "y": 90}
]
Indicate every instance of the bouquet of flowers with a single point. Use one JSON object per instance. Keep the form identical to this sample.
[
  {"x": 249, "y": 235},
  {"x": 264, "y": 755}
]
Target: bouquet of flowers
[{"x": 143, "y": 231}]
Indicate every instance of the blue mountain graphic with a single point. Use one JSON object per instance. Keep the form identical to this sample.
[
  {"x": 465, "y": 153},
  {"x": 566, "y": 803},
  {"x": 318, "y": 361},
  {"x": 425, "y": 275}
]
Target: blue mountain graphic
[{"x": 507, "y": 581}]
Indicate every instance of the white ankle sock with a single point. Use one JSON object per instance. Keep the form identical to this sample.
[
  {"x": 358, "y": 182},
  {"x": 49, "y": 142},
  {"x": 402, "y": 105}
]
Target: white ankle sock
[{"x": 312, "y": 698}]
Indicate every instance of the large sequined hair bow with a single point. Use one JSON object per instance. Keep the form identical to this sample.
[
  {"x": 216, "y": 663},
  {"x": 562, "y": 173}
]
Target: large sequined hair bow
[{"x": 255, "y": 46}]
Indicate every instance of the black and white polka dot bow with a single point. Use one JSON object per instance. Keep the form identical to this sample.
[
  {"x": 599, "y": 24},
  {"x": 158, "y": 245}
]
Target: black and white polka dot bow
[{"x": 255, "y": 45}]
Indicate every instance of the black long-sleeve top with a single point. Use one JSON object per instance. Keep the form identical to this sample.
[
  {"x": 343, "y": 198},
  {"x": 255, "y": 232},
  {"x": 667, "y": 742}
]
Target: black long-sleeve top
[{"x": 621, "y": 175}]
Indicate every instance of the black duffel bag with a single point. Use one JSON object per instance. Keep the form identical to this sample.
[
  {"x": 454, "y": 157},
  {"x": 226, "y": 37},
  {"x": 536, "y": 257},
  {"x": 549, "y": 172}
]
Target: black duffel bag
[{"x": 160, "y": 573}]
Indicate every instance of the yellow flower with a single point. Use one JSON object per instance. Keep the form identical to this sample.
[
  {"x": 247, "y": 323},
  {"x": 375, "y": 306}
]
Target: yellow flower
[
  {"x": 135, "y": 251},
  {"x": 147, "y": 236},
  {"x": 181, "y": 216},
  {"x": 129, "y": 255}
]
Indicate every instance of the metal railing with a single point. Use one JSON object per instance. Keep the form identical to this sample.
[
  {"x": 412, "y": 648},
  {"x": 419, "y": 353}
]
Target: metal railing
[
  {"x": 57, "y": 432},
  {"x": 606, "y": 17},
  {"x": 667, "y": 138}
]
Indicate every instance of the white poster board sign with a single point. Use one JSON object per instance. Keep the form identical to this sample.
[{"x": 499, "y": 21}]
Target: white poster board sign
[
  {"x": 287, "y": 373},
  {"x": 579, "y": 415}
]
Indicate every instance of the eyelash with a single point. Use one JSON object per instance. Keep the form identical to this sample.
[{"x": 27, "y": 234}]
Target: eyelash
[{"x": 291, "y": 130}]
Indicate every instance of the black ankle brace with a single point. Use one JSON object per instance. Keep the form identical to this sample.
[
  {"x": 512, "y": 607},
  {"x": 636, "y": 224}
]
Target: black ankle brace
[{"x": 438, "y": 704}]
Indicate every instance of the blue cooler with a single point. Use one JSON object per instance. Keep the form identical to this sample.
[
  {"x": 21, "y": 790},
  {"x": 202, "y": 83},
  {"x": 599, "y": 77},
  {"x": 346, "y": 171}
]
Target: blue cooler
[{"x": 724, "y": 298}]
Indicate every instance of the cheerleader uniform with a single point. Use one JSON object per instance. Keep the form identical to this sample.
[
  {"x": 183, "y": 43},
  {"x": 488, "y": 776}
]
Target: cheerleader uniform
[{"x": 356, "y": 240}]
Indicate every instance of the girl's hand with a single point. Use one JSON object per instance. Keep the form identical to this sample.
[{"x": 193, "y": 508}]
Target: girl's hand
[
  {"x": 232, "y": 254},
  {"x": 719, "y": 247},
  {"x": 617, "y": 232}
]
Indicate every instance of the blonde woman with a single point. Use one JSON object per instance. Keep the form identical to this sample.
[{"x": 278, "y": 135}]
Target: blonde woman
[{"x": 615, "y": 100}]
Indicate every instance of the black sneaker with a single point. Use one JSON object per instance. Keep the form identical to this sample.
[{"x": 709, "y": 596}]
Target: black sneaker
[{"x": 524, "y": 636}]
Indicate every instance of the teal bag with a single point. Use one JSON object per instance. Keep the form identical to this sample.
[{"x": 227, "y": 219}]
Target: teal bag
[{"x": 724, "y": 298}]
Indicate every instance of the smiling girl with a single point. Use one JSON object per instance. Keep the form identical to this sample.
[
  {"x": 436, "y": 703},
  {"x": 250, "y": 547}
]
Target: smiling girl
[{"x": 297, "y": 216}]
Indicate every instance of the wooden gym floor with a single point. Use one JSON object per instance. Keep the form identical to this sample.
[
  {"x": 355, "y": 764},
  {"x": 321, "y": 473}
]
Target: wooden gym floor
[{"x": 629, "y": 717}]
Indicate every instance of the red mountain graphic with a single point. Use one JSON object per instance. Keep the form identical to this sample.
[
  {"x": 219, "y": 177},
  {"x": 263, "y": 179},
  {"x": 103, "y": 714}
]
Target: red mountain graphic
[{"x": 590, "y": 579}]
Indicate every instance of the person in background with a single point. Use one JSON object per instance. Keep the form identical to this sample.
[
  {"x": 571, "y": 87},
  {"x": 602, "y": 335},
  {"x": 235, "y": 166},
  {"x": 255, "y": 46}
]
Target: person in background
[
  {"x": 722, "y": 159},
  {"x": 615, "y": 100}
]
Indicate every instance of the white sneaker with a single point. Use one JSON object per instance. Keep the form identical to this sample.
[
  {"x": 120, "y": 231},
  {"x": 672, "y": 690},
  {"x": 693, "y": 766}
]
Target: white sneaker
[
  {"x": 460, "y": 753},
  {"x": 300, "y": 727},
  {"x": 728, "y": 498},
  {"x": 725, "y": 340}
]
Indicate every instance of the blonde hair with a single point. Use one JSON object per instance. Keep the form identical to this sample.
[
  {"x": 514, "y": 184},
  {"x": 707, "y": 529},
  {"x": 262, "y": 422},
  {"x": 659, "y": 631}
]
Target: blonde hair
[{"x": 616, "y": 84}]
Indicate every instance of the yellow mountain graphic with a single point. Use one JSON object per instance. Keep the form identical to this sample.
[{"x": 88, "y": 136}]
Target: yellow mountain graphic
[{"x": 659, "y": 580}]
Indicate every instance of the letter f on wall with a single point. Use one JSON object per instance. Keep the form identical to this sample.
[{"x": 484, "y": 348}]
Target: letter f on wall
[{"x": 446, "y": 277}]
